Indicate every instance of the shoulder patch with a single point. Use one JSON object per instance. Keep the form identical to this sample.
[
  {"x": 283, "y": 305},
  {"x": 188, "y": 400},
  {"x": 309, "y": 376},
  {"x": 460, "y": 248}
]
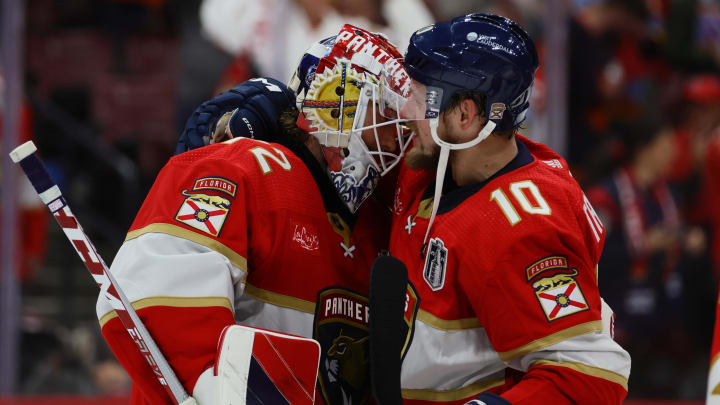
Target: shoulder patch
[
  {"x": 204, "y": 212},
  {"x": 216, "y": 183},
  {"x": 435, "y": 264},
  {"x": 555, "y": 287}
]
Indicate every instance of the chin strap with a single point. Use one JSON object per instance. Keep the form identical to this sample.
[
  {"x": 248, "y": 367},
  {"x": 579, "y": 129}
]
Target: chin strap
[{"x": 445, "y": 148}]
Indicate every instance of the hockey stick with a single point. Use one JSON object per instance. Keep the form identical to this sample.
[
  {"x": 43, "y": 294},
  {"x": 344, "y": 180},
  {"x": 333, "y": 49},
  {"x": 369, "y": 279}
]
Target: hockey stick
[
  {"x": 51, "y": 196},
  {"x": 388, "y": 289}
]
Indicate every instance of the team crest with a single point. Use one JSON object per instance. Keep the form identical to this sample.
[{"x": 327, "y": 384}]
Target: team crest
[
  {"x": 341, "y": 326},
  {"x": 496, "y": 111},
  {"x": 435, "y": 264},
  {"x": 555, "y": 287},
  {"x": 342, "y": 329},
  {"x": 204, "y": 212}
]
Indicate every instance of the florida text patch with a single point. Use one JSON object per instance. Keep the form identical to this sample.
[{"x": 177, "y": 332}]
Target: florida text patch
[{"x": 216, "y": 183}]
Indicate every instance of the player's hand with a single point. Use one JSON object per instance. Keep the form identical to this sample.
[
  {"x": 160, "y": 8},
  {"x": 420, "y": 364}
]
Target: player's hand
[{"x": 257, "y": 104}]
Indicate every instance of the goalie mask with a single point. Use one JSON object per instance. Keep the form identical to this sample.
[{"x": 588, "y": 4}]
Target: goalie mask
[{"x": 349, "y": 91}]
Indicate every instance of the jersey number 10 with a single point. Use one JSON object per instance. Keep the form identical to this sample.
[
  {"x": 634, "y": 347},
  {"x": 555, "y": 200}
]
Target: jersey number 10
[{"x": 520, "y": 191}]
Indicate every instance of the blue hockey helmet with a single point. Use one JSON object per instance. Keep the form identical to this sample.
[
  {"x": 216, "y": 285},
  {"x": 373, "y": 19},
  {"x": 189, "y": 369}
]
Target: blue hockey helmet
[
  {"x": 486, "y": 53},
  {"x": 305, "y": 72}
]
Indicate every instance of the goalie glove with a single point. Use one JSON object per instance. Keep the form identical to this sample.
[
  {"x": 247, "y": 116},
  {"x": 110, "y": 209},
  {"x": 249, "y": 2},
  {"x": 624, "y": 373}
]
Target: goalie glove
[
  {"x": 256, "y": 366},
  {"x": 487, "y": 398},
  {"x": 256, "y": 106}
]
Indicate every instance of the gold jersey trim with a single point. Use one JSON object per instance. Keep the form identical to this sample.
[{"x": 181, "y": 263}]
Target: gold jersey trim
[
  {"x": 340, "y": 227},
  {"x": 577, "y": 330},
  {"x": 445, "y": 324},
  {"x": 178, "y": 302},
  {"x": 471, "y": 390},
  {"x": 280, "y": 300},
  {"x": 174, "y": 230},
  {"x": 588, "y": 370},
  {"x": 424, "y": 208}
]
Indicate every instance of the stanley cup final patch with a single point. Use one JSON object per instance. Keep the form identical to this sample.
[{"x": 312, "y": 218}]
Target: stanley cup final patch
[
  {"x": 203, "y": 211},
  {"x": 435, "y": 264},
  {"x": 556, "y": 288}
]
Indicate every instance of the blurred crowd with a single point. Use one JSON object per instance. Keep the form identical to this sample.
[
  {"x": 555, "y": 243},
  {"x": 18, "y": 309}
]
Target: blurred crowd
[{"x": 110, "y": 83}]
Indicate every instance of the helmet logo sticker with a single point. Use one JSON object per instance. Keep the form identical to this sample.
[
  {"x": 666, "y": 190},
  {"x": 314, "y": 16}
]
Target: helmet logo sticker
[
  {"x": 496, "y": 111},
  {"x": 472, "y": 36}
]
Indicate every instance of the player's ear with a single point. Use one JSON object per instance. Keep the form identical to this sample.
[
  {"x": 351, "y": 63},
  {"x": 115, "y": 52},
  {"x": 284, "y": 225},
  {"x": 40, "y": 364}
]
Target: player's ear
[{"x": 468, "y": 112}]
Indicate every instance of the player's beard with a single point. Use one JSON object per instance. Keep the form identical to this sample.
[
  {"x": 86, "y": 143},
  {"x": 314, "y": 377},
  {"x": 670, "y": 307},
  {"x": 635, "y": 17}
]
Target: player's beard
[
  {"x": 418, "y": 157},
  {"x": 421, "y": 156}
]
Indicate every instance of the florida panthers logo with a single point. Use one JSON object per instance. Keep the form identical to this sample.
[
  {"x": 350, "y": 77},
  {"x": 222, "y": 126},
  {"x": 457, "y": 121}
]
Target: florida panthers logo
[
  {"x": 347, "y": 361},
  {"x": 342, "y": 323},
  {"x": 341, "y": 327}
]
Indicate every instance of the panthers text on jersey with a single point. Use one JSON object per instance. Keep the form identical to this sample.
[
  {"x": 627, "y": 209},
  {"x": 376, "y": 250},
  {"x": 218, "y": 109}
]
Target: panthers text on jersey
[
  {"x": 508, "y": 288},
  {"x": 242, "y": 232}
]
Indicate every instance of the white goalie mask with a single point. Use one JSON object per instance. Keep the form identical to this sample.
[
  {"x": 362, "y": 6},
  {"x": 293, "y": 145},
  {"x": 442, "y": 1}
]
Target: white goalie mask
[{"x": 349, "y": 91}]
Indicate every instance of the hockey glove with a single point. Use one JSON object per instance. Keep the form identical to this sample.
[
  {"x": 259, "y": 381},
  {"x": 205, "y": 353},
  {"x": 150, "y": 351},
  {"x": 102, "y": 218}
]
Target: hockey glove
[
  {"x": 487, "y": 398},
  {"x": 258, "y": 104}
]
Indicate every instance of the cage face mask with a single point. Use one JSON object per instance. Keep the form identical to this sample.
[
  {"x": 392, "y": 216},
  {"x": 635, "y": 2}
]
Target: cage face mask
[{"x": 349, "y": 91}]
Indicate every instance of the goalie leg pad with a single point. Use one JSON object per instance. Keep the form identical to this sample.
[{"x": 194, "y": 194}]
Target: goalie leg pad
[{"x": 256, "y": 366}]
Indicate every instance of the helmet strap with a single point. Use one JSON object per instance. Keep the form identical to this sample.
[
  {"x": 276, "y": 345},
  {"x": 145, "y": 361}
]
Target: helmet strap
[{"x": 445, "y": 148}]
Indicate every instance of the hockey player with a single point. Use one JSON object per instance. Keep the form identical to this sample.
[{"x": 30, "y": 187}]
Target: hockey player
[
  {"x": 272, "y": 235},
  {"x": 503, "y": 249}
]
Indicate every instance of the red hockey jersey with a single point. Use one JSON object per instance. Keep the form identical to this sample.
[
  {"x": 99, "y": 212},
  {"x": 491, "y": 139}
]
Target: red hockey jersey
[
  {"x": 508, "y": 288},
  {"x": 239, "y": 232}
]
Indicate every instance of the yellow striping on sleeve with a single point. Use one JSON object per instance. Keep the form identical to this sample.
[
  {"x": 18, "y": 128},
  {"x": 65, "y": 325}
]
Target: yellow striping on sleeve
[
  {"x": 577, "y": 330},
  {"x": 179, "y": 302},
  {"x": 174, "y": 230},
  {"x": 589, "y": 370},
  {"x": 452, "y": 395}
]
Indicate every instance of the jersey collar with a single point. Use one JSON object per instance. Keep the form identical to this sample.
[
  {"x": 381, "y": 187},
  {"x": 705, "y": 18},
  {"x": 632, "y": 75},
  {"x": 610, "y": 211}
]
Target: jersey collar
[
  {"x": 453, "y": 195},
  {"x": 330, "y": 197}
]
